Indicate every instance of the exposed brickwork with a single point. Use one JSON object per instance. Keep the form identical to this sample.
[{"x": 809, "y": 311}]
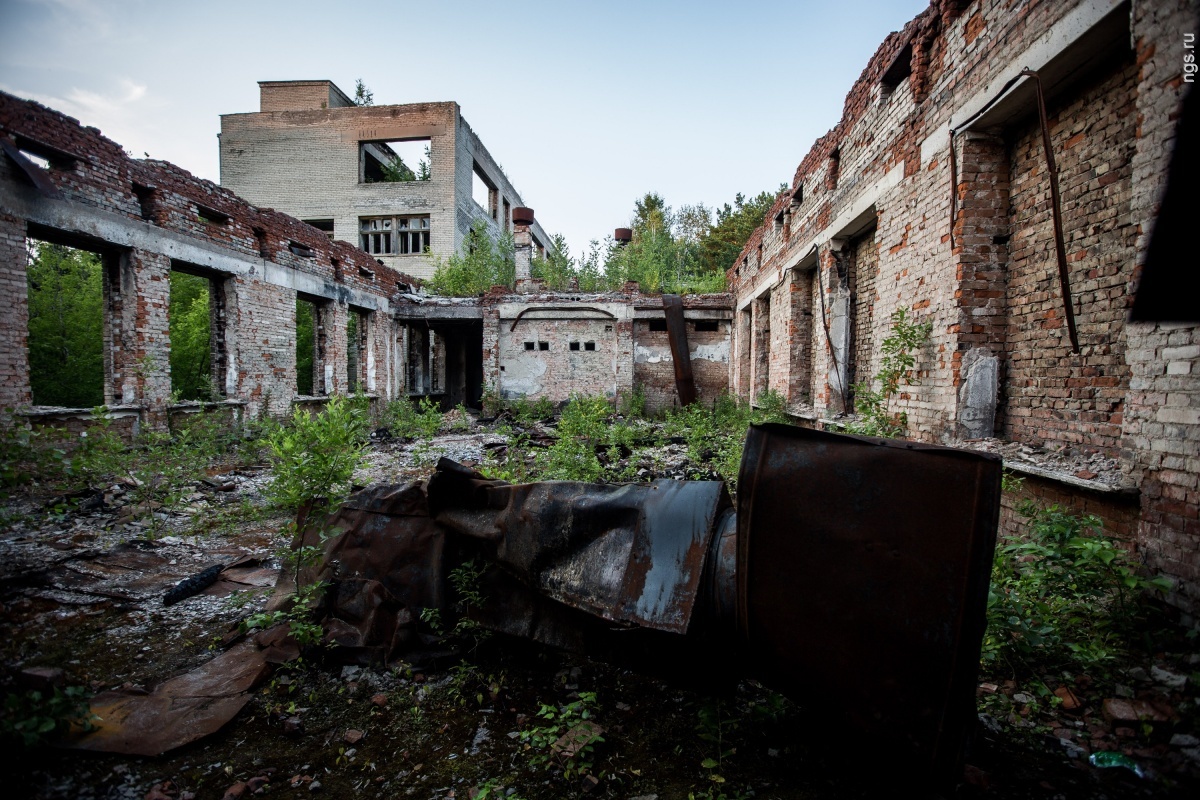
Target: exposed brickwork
[
  {"x": 997, "y": 362},
  {"x": 146, "y": 218},
  {"x": 14, "y": 316},
  {"x": 1054, "y": 396}
]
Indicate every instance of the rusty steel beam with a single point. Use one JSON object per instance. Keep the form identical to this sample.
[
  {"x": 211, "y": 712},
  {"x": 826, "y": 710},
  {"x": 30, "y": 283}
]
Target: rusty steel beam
[{"x": 681, "y": 358}]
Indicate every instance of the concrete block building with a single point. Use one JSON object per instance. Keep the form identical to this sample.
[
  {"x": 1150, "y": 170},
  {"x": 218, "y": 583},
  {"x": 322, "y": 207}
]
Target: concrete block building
[{"x": 392, "y": 180}]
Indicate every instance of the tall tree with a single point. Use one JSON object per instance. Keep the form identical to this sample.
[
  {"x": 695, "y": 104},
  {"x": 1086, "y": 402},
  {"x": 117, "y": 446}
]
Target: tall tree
[
  {"x": 721, "y": 245},
  {"x": 362, "y": 95}
]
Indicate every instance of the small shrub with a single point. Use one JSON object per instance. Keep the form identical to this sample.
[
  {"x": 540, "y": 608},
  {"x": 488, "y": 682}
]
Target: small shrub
[
  {"x": 1063, "y": 595},
  {"x": 314, "y": 458},
  {"x": 556, "y": 721},
  {"x": 899, "y": 358},
  {"x": 35, "y": 717}
]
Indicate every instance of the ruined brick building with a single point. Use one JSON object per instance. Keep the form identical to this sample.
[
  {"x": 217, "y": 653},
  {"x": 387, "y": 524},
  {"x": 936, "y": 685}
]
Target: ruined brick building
[
  {"x": 889, "y": 210},
  {"x": 313, "y": 154},
  {"x": 932, "y": 194}
]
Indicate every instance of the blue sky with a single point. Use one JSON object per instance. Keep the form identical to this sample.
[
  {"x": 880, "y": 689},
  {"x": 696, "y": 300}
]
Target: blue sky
[{"x": 586, "y": 105}]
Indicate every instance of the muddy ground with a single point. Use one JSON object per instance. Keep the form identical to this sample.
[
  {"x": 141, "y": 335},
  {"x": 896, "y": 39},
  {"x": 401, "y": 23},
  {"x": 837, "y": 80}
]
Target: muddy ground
[{"x": 81, "y": 586}]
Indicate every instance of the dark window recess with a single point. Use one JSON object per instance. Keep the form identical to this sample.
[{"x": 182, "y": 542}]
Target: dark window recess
[
  {"x": 529, "y": 345},
  {"x": 145, "y": 197},
  {"x": 900, "y": 69},
  {"x": 45, "y": 155},
  {"x": 325, "y": 225},
  {"x": 608, "y": 328},
  {"x": 543, "y": 345},
  {"x": 658, "y": 325},
  {"x": 302, "y": 250},
  {"x": 706, "y": 326},
  {"x": 264, "y": 250},
  {"x": 589, "y": 345},
  {"x": 211, "y": 215},
  {"x": 574, "y": 345},
  {"x": 831, "y": 172}
]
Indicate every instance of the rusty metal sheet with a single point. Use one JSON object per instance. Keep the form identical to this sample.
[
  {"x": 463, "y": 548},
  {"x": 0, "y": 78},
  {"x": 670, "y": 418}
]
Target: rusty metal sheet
[
  {"x": 863, "y": 569},
  {"x": 383, "y": 563},
  {"x": 179, "y": 711},
  {"x": 632, "y": 553},
  {"x": 681, "y": 356}
]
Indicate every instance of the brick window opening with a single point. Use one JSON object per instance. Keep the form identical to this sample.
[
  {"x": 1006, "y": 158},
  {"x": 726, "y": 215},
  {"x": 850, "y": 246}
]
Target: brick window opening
[
  {"x": 264, "y": 247},
  {"x": 310, "y": 347},
  {"x": 67, "y": 289},
  {"x": 507, "y": 215},
  {"x": 529, "y": 345},
  {"x": 608, "y": 328},
  {"x": 324, "y": 225},
  {"x": 301, "y": 249},
  {"x": 589, "y": 345},
  {"x": 833, "y": 168},
  {"x": 356, "y": 350},
  {"x": 574, "y": 345},
  {"x": 146, "y": 200},
  {"x": 659, "y": 325},
  {"x": 897, "y": 73},
  {"x": 543, "y": 345},
  {"x": 196, "y": 325},
  {"x": 394, "y": 161},
  {"x": 706, "y": 326},
  {"x": 394, "y": 236},
  {"x": 210, "y": 216}
]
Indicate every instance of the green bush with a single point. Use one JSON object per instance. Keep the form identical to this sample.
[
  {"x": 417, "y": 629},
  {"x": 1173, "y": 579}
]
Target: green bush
[
  {"x": 34, "y": 717},
  {"x": 313, "y": 459},
  {"x": 899, "y": 358},
  {"x": 409, "y": 420},
  {"x": 1062, "y": 595},
  {"x": 486, "y": 264}
]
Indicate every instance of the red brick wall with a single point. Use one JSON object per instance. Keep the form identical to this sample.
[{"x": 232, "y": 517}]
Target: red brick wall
[{"x": 1054, "y": 396}]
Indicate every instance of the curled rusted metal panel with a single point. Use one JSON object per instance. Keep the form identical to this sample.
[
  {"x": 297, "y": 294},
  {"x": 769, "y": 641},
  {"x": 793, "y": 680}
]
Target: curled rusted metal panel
[
  {"x": 681, "y": 356},
  {"x": 863, "y": 569},
  {"x": 632, "y": 554}
]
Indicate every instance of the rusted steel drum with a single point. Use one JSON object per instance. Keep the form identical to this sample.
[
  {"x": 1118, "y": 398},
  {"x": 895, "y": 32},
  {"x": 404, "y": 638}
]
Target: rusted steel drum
[{"x": 862, "y": 579}]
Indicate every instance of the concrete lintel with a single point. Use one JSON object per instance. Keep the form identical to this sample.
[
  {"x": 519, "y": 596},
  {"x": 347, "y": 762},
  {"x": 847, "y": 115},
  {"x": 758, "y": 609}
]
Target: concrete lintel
[{"x": 123, "y": 233}]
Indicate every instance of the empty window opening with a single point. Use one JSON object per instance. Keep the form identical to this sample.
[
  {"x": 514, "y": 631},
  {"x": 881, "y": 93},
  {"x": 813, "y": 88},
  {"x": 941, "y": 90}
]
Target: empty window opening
[
  {"x": 210, "y": 216},
  {"x": 834, "y": 166},
  {"x": 44, "y": 155},
  {"x": 146, "y": 200},
  {"x": 302, "y": 250},
  {"x": 797, "y": 196},
  {"x": 608, "y": 328},
  {"x": 192, "y": 317},
  {"x": 900, "y": 69},
  {"x": 574, "y": 345},
  {"x": 264, "y": 248},
  {"x": 395, "y": 161},
  {"x": 483, "y": 192},
  {"x": 396, "y": 236},
  {"x": 324, "y": 225},
  {"x": 507, "y": 216},
  {"x": 306, "y": 346},
  {"x": 543, "y": 345},
  {"x": 356, "y": 351},
  {"x": 338, "y": 275},
  {"x": 66, "y": 326},
  {"x": 706, "y": 326},
  {"x": 589, "y": 345},
  {"x": 529, "y": 345},
  {"x": 659, "y": 325}
]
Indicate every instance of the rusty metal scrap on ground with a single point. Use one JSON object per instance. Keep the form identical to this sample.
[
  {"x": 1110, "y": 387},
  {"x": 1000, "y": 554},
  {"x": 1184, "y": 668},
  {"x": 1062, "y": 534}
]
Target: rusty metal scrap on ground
[{"x": 852, "y": 576}]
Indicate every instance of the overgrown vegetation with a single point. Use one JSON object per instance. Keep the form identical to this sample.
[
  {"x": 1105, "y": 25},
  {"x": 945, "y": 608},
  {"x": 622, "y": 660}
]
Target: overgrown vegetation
[
  {"x": 899, "y": 351},
  {"x": 35, "y": 717},
  {"x": 1063, "y": 596},
  {"x": 487, "y": 263},
  {"x": 66, "y": 326},
  {"x": 190, "y": 332},
  {"x": 675, "y": 251}
]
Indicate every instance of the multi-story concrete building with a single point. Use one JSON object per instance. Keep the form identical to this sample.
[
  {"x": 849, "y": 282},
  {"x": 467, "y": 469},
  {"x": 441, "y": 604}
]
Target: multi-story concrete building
[{"x": 394, "y": 180}]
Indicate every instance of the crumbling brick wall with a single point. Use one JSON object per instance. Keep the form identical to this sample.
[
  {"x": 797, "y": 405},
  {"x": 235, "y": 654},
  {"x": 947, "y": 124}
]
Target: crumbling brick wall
[
  {"x": 146, "y": 218},
  {"x": 998, "y": 362}
]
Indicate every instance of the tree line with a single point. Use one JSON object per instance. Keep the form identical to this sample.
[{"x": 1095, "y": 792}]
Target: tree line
[{"x": 683, "y": 251}]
